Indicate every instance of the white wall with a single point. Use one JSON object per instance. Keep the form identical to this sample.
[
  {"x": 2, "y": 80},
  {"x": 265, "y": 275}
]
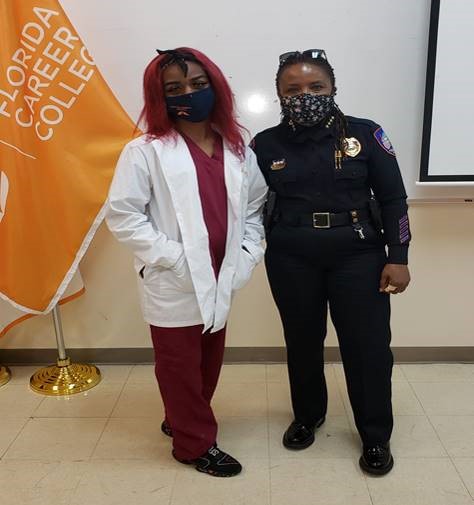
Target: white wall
[{"x": 379, "y": 50}]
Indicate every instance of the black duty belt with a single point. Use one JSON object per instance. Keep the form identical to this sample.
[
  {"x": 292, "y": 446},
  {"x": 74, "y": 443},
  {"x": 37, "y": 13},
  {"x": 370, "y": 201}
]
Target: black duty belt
[{"x": 326, "y": 219}]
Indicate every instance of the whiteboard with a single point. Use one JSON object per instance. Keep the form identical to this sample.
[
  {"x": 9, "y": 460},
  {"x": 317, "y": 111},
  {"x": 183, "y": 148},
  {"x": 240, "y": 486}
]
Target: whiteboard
[
  {"x": 449, "y": 106},
  {"x": 377, "y": 47}
]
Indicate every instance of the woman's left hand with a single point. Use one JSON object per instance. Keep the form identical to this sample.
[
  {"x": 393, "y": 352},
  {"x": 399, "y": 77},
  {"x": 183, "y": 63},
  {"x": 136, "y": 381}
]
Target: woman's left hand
[{"x": 394, "y": 279}]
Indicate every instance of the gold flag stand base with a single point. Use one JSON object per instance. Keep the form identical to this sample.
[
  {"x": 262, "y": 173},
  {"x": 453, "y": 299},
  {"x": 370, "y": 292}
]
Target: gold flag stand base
[
  {"x": 5, "y": 375},
  {"x": 65, "y": 378}
]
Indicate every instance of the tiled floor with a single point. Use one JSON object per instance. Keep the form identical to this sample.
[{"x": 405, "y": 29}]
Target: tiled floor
[{"x": 105, "y": 446}]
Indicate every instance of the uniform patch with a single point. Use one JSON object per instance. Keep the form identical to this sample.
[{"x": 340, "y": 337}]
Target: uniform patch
[
  {"x": 382, "y": 138},
  {"x": 278, "y": 164}
]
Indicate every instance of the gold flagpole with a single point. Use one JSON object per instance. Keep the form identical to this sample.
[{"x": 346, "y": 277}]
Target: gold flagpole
[
  {"x": 64, "y": 378},
  {"x": 5, "y": 375}
]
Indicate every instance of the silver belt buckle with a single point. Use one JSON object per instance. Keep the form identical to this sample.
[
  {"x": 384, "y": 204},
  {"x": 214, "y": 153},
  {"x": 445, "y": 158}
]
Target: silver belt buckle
[{"x": 325, "y": 217}]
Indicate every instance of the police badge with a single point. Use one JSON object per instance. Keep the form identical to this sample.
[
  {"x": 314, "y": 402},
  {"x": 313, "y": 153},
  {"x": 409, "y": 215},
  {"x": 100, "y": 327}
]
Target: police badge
[{"x": 351, "y": 147}]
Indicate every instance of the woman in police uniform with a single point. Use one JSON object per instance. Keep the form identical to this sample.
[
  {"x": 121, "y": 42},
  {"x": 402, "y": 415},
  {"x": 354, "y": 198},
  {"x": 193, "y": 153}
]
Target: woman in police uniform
[{"x": 337, "y": 234}]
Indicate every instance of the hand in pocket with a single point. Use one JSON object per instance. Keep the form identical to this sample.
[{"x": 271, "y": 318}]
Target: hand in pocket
[{"x": 244, "y": 269}]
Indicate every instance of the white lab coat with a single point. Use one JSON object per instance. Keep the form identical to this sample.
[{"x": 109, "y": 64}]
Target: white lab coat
[{"x": 155, "y": 209}]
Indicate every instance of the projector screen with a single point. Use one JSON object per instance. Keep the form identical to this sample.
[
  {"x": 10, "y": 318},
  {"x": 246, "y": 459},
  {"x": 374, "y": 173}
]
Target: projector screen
[{"x": 447, "y": 148}]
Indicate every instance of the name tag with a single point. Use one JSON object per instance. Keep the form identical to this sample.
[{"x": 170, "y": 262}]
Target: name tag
[{"x": 278, "y": 164}]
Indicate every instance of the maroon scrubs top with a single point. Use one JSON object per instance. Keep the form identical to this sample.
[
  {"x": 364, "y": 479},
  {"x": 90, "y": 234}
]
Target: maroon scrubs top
[{"x": 213, "y": 193}]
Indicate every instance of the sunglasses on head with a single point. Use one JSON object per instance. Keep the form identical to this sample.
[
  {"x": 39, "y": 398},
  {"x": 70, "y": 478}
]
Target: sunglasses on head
[{"x": 311, "y": 53}]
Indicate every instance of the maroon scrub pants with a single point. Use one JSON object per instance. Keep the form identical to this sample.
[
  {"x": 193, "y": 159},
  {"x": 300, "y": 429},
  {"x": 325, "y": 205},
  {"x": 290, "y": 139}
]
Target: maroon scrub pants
[{"x": 188, "y": 363}]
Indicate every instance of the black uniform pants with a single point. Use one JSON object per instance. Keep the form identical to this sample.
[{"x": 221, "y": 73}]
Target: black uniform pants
[{"x": 309, "y": 268}]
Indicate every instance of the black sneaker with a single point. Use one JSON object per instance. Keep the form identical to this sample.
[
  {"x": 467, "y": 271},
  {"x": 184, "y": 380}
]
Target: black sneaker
[
  {"x": 377, "y": 459},
  {"x": 214, "y": 462},
  {"x": 166, "y": 429}
]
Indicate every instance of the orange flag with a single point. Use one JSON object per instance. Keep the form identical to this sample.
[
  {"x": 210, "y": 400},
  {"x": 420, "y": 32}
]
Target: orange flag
[{"x": 61, "y": 132}]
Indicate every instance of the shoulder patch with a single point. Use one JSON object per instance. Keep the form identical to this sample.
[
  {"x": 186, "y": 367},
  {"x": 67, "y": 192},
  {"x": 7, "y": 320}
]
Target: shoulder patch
[{"x": 384, "y": 142}]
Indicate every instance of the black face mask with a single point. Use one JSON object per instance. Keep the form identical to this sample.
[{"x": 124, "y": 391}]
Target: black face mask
[
  {"x": 307, "y": 109},
  {"x": 194, "y": 107}
]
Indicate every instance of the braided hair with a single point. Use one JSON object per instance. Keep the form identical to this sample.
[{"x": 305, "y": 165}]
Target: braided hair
[{"x": 340, "y": 121}]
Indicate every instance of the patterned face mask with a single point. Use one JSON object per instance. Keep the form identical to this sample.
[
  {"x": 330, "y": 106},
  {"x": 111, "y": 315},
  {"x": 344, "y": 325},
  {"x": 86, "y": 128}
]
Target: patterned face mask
[{"x": 307, "y": 109}]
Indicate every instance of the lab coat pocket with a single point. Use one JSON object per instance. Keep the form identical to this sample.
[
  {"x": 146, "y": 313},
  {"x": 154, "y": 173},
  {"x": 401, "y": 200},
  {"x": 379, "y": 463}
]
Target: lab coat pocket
[
  {"x": 139, "y": 267},
  {"x": 178, "y": 278},
  {"x": 244, "y": 269},
  {"x": 183, "y": 274}
]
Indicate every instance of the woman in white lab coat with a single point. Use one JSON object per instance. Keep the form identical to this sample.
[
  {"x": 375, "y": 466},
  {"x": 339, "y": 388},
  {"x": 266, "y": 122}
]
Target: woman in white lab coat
[{"x": 187, "y": 199}]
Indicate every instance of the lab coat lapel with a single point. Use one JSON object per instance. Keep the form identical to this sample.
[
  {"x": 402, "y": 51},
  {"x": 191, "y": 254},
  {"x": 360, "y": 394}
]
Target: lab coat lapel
[
  {"x": 233, "y": 181},
  {"x": 180, "y": 174}
]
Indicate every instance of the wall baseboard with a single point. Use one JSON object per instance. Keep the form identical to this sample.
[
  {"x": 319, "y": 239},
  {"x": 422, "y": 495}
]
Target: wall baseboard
[{"x": 144, "y": 355}]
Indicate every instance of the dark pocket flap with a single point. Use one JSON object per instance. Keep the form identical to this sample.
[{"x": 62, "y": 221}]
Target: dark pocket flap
[
  {"x": 351, "y": 170},
  {"x": 283, "y": 176}
]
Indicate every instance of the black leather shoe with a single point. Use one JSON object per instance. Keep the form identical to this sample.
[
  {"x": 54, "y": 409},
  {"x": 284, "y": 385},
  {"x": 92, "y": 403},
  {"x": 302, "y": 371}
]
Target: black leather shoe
[
  {"x": 214, "y": 462},
  {"x": 166, "y": 429},
  {"x": 377, "y": 459},
  {"x": 300, "y": 436}
]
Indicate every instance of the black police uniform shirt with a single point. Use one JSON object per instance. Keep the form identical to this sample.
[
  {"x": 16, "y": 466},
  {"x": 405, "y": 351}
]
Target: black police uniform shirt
[{"x": 299, "y": 165}]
